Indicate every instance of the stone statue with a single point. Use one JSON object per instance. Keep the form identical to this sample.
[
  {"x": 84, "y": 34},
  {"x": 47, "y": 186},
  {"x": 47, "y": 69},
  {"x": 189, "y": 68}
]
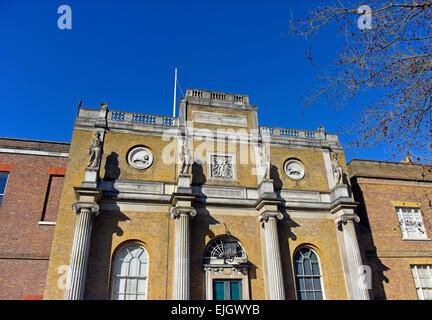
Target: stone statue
[
  {"x": 337, "y": 170},
  {"x": 265, "y": 163},
  {"x": 95, "y": 151},
  {"x": 186, "y": 158}
]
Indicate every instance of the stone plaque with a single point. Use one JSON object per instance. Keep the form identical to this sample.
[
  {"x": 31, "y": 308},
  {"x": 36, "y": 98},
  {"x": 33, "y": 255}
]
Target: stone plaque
[
  {"x": 294, "y": 169},
  {"x": 221, "y": 167},
  {"x": 140, "y": 158}
]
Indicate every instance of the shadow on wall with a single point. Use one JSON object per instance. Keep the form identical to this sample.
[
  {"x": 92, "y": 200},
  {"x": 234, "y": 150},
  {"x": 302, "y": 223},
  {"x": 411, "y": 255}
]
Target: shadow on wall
[
  {"x": 368, "y": 249},
  {"x": 104, "y": 228},
  {"x": 198, "y": 176},
  {"x": 274, "y": 175},
  {"x": 199, "y": 232},
  {"x": 285, "y": 227}
]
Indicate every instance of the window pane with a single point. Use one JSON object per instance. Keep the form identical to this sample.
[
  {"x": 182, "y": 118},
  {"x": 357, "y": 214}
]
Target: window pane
[
  {"x": 1, "y": 198},
  {"x": 134, "y": 267},
  {"x": 307, "y": 267},
  {"x": 298, "y": 268},
  {"x": 318, "y": 295},
  {"x": 301, "y": 284},
  {"x": 310, "y": 296},
  {"x": 317, "y": 283},
  {"x": 3, "y": 180},
  {"x": 235, "y": 290},
  {"x": 302, "y": 295},
  {"x": 308, "y": 283},
  {"x": 315, "y": 269},
  {"x": 218, "y": 290}
]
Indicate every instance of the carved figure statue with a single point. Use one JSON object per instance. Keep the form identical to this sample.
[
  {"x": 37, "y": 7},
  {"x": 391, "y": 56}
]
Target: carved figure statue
[
  {"x": 337, "y": 170},
  {"x": 95, "y": 151},
  {"x": 186, "y": 158},
  {"x": 265, "y": 163}
]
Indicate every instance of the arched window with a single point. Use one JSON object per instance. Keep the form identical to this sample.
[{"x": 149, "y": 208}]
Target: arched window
[
  {"x": 130, "y": 274},
  {"x": 226, "y": 270},
  {"x": 224, "y": 248},
  {"x": 308, "y": 275}
]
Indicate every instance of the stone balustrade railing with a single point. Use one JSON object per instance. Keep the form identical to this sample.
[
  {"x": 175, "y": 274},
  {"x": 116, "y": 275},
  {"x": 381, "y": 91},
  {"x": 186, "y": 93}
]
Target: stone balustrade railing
[
  {"x": 217, "y": 96},
  {"x": 138, "y": 118},
  {"x": 297, "y": 134}
]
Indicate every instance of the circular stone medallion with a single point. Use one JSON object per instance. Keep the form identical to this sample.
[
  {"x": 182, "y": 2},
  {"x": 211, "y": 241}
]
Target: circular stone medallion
[
  {"x": 140, "y": 158},
  {"x": 294, "y": 169}
]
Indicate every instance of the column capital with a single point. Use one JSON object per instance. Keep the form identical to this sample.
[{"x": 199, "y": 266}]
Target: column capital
[
  {"x": 90, "y": 206},
  {"x": 266, "y": 215},
  {"x": 344, "y": 218},
  {"x": 178, "y": 211}
]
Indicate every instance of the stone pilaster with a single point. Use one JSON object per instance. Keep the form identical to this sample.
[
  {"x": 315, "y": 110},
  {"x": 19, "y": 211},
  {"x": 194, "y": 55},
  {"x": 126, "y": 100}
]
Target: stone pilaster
[
  {"x": 181, "y": 216},
  {"x": 268, "y": 214},
  {"x": 182, "y": 212},
  {"x": 274, "y": 275},
  {"x": 75, "y": 284},
  {"x": 357, "y": 288}
]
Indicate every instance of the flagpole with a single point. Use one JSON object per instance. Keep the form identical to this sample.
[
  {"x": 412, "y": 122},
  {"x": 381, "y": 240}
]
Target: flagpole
[{"x": 175, "y": 92}]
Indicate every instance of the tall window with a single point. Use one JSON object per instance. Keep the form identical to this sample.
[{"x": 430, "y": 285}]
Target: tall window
[
  {"x": 130, "y": 273},
  {"x": 3, "y": 181},
  {"x": 308, "y": 275},
  {"x": 411, "y": 223},
  {"x": 422, "y": 275}
]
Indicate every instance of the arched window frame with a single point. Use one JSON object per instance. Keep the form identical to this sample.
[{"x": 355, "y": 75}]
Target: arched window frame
[
  {"x": 216, "y": 268},
  {"x": 321, "y": 277},
  {"x": 115, "y": 265}
]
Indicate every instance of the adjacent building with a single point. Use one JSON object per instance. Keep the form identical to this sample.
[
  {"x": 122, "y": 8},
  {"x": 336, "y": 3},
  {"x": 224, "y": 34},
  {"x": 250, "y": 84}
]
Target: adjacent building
[
  {"x": 395, "y": 226},
  {"x": 31, "y": 182}
]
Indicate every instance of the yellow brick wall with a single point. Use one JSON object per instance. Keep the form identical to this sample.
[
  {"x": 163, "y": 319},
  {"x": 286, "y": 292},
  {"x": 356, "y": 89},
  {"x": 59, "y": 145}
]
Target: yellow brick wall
[
  {"x": 319, "y": 235},
  {"x": 117, "y": 146},
  {"x": 65, "y": 227},
  {"x": 313, "y": 161}
]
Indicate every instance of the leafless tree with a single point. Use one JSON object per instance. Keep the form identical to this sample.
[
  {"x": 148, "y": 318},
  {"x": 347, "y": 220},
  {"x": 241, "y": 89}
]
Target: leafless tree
[{"x": 391, "y": 56}]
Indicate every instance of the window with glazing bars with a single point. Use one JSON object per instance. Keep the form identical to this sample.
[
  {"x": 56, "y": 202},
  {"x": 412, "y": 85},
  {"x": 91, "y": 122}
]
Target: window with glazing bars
[
  {"x": 308, "y": 275},
  {"x": 422, "y": 275},
  {"x": 130, "y": 273}
]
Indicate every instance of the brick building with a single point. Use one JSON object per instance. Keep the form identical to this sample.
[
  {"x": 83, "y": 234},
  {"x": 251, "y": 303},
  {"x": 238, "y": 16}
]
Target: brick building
[
  {"x": 208, "y": 205},
  {"x": 31, "y": 182},
  {"x": 395, "y": 226}
]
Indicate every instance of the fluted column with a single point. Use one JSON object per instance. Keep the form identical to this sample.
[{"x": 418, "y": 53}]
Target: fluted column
[
  {"x": 358, "y": 284},
  {"x": 75, "y": 284},
  {"x": 274, "y": 275},
  {"x": 181, "y": 289}
]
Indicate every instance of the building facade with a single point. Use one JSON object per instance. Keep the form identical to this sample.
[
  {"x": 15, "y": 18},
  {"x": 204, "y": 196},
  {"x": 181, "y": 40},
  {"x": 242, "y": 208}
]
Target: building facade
[
  {"x": 31, "y": 182},
  {"x": 208, "y": 205}
]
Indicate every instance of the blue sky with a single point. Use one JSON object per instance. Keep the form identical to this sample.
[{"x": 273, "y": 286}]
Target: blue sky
[{"x": 124, "y": 53}]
